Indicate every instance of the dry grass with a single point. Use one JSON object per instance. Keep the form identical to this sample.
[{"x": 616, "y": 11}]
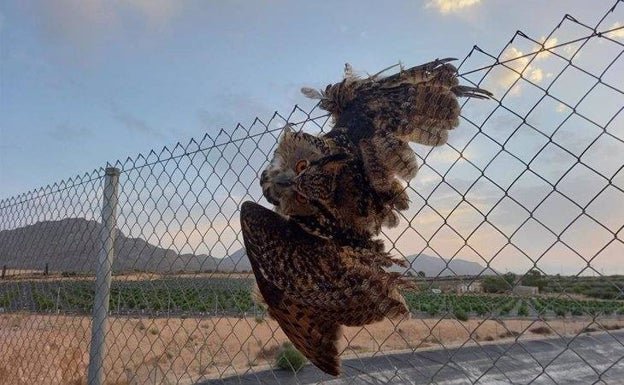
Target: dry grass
[
  {"x": 545, "y": 330},
  {"x": 51, "y": 349}
]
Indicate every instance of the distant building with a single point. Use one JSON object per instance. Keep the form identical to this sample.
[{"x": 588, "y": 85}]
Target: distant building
[
  {"x": 469, "y": 287},
  {"x": 525, "y": 290}
]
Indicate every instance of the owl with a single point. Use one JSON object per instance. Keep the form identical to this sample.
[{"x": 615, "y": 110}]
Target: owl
[
  {"x": 316, "y": 258},
  {"x": 349, "y": 183},
  {"x": 313, "y": 286}
]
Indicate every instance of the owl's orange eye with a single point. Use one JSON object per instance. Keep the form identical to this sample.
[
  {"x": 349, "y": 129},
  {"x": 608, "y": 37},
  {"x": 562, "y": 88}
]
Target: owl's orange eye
[{"x": 301, "y": 165}]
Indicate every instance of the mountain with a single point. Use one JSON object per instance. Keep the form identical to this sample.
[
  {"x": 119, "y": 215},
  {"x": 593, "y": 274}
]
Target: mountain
[
  {"x": 236, "y": 262},
  {"x": 436, "y": 266},
  {"x": 72, "y": 245}
]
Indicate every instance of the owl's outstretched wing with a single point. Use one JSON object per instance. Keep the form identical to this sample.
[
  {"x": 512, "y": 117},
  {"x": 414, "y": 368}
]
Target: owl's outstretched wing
[
  {"x": 418, "y": 104},
  {"x": 312, "y": 286}
]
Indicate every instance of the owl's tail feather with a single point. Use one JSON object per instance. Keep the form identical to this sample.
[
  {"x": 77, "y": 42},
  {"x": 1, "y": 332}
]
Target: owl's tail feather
[
  {"x": 383, "y": 298},
  {"x": 312, "y": 333}
]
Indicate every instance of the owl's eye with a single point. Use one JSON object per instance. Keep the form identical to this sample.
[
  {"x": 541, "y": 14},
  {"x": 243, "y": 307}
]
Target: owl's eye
[{"x": 301, "y": 165}]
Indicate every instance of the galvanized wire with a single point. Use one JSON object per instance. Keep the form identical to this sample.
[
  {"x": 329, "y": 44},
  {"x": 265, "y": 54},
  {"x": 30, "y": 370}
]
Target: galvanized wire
[{"x": 530, "y": 181}]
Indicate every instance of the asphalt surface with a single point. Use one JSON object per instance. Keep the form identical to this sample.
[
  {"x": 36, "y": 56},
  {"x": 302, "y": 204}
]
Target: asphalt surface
[{"x": 596, "y": 358}]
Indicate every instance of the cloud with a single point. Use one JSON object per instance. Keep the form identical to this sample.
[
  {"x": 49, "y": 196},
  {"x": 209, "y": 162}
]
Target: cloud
[
  {"x": 545, "y": 47},
  {"x": 535, "y": 75},
  {"x": 504, "y": 76},
  {"x": 65, "y": 132},
  {"x": 516, "y": 65},
  {"x": 227, "y": 109},
  {"x": 561, "y": 108},
  {"x": 132, "y": 122},
  {"x": 451, "y": 6},
  {"x": 618, "y": 33},
  {"x": 155, "y": 12},
  {"x": 83, "y": 25}
]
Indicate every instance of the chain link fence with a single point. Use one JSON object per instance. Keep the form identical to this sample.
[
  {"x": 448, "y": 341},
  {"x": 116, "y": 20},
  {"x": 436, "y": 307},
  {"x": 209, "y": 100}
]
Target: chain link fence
[{"x": 515, "y": 238}]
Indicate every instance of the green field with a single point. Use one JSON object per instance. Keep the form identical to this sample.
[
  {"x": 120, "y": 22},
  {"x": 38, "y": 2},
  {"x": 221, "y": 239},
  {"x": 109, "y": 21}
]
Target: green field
[
  {"x": 167, "y": 295},
  {"x": 470, "y": 305},
  {"x": 232, "y": 296}
]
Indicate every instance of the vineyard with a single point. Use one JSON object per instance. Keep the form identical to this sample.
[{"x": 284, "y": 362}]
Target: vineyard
[{"x": 233, "y": 296}]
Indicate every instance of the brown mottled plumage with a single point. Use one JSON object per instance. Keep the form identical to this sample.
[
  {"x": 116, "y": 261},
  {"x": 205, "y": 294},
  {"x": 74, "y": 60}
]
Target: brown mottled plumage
[
  {"x": 313, "y": 286},
  {"x": 315, "y": 259},
  {"x": 366, "y": 158}
]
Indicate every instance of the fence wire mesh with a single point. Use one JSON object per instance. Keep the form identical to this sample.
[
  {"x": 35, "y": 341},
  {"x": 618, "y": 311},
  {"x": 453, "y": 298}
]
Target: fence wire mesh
[{"x": 525, "y": 204}]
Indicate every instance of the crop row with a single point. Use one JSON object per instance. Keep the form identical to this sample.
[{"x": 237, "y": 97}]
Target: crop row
[
  {"x": 233, "y": 296},
  {"x": 461, "y": 306},
  {"x": 182, "y": 295}
]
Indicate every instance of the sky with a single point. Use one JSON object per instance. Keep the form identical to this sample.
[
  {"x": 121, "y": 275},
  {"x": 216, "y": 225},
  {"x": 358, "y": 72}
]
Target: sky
[{"x": 86, "y": 82}]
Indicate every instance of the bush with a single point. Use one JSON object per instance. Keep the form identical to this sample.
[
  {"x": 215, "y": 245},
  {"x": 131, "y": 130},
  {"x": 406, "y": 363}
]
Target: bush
[
  {"x": 289, "y": 358},
  {"x": 523, "y": 310},
  {"x": 541, "y": 330},
  {"x": 460, "y": 314},
  {"x": 495, "y": 284}
]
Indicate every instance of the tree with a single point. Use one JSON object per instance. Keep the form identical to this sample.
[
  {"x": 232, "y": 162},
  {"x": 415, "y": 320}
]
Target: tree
[
  {"x": 495, "y": 284},
  {"x": 421, "y": 274},
  {"x": 510, "y": 278},
  {"x": 534, "y": 278}
]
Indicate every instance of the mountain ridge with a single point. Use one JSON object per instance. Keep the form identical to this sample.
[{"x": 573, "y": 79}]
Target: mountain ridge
[{"x": 72, "y": 245}]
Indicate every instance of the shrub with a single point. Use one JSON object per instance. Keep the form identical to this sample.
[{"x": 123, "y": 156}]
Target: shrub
[
  {"x": 541, "y": 330},
  {"x": 523, "y": 311},
  {"x": 460, "y": 314},
  {"x": 289, "y": 358},
  {"x": 509, "y": 333},
  {"x": 495, "y": 284}
]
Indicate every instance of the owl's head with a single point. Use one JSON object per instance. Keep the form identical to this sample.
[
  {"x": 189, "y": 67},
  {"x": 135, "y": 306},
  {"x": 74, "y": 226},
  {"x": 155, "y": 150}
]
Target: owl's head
[{"x": 302, "y": 171}]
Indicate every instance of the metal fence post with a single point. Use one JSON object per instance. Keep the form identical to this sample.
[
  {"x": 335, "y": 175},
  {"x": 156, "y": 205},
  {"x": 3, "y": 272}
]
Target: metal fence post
[{"x": 103, "y": 278}]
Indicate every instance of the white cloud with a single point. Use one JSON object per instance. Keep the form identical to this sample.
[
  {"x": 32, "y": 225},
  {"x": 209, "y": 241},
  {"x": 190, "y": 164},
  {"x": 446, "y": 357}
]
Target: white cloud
[
  {"x": 617, "y": 33},
  {"x": 535, "y": 75},
  {"x": 561, "y": 108},
  {"x": 448, "y": 6},
  {"x": 516, "y": 65},
  {"x": 547, "y": 44}
]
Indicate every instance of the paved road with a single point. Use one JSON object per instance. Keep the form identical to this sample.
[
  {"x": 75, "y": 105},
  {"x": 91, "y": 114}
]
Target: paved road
[{"x": 596, "y": 358}]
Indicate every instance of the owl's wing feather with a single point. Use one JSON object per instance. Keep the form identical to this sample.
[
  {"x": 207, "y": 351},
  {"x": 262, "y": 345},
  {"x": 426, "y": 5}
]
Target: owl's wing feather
[
  {"x": 311, "y": 334},
  {"x": 312, "y": 286},
  {"x": 418, "y": 104}
]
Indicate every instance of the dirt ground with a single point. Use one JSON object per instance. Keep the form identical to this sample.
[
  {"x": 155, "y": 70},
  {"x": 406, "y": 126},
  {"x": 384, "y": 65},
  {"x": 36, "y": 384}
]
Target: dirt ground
[{"x": 54, "y": 349}]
